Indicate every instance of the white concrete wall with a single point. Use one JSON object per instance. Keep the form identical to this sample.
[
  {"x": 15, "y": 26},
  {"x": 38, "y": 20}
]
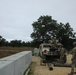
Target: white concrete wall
[{"x": 15, "y": 64}]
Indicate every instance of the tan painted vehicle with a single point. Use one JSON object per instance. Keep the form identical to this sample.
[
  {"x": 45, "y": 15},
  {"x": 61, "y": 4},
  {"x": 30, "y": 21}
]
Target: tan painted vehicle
[
  {"x": 43, "y": 47},
  {"x": 50, "y": 49},
  {"x": 50, "y": 52}
]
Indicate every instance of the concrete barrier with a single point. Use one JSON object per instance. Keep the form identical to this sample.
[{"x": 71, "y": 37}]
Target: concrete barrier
[{"x": 15, "y": 64}]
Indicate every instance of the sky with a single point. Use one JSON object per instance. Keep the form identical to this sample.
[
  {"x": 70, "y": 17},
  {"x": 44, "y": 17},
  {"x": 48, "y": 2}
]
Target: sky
[{"x": 17, "y": 16}]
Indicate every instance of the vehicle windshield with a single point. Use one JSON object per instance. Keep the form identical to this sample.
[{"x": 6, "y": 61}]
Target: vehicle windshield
[{"x": 46, "y": 46}]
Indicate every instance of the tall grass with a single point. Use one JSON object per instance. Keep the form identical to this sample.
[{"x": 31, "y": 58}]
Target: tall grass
[{"x": 6, "y": 51}]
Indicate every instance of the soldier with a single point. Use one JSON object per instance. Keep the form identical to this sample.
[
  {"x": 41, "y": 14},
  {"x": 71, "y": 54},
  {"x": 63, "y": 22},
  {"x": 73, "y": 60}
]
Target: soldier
[
  {"x": 53, "y": 42},
  {"x": 62, "y": 54},
  {"x": 73, "y": 59},
  {"x": 44, "y": 56}
]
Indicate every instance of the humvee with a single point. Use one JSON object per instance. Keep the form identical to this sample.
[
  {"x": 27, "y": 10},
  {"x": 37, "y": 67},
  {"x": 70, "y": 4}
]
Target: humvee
[
  {"x": 53, "y": 51},
  {"x": 44, "y": 46}
]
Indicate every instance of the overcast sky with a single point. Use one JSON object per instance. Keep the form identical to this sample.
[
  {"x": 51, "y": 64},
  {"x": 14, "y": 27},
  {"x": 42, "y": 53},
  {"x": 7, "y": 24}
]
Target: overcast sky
[{"x": 17, "y": 16}]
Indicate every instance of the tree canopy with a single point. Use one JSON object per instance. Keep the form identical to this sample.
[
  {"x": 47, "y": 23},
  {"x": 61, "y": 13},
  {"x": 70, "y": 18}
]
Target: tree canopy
[
  {"x": 46, "y": 28},
  {"x": 14, "y": 43}
]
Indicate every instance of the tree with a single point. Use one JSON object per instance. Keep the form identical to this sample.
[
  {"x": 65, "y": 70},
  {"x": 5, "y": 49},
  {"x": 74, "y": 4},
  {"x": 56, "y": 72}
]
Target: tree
[
  {"x": 0, "y": 37},
  {"x": 46, "y": 28},
  {"x": 2, "y": 41},
  {"x": 65, "y": 32},
  {"x": 15, "y": 43},
  {"x": 7, "y": 43}
]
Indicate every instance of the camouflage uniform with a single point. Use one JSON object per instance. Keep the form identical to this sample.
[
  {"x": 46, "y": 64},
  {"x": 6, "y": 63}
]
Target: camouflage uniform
[
  {"x": 63, "y": 55},
  {"x": 44, "y": 56},
  {"x": 73, "y": 59},
  {"x": 53, "y": 42}
]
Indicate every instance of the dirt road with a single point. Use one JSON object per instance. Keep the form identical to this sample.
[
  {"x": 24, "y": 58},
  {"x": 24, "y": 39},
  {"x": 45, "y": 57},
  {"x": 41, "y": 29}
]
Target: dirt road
[{"x": 44, "y": 70}]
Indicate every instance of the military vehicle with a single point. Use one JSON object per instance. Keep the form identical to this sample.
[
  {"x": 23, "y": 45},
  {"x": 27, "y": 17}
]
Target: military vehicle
[
  {"x": 52, "y": 52},
  {"x": 44, "y": 46}
]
